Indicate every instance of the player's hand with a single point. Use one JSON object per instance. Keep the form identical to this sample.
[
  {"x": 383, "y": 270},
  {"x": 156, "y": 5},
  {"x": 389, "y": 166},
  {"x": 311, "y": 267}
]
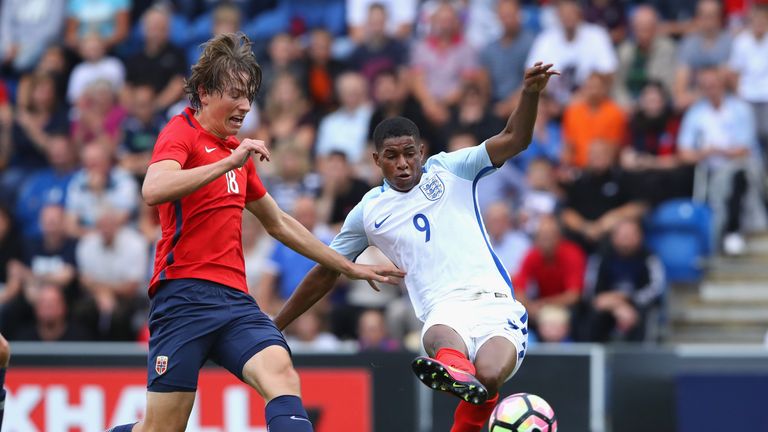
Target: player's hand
[
  {"x": 5, "y": 352},
  {"x": 376, "y": 273},
  {"x": 247, "y": 147},
  {"x": 536, "y": 77}
]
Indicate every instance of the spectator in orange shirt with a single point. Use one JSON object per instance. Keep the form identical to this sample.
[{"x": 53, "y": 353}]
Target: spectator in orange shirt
[{"x": 593, "y": 116}]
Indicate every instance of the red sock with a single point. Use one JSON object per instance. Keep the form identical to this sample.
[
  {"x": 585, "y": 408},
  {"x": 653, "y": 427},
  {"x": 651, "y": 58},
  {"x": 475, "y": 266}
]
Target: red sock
[
  {"x": 455, "y": 358},
  {"x": 472, "y": 418}
]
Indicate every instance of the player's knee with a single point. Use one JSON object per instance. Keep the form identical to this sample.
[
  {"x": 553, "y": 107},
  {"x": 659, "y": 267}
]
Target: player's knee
[
  {"x": 491, "y": 376},
  {"x": 284, "y": 373}
]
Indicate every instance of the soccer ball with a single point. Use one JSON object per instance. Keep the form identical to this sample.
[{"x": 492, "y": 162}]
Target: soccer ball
[{"x": 523, "y": 412}]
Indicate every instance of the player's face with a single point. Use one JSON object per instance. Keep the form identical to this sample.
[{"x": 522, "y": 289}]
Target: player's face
[
  {"x": 400, "y": 160},
  {"x": 222, "y": 113}
]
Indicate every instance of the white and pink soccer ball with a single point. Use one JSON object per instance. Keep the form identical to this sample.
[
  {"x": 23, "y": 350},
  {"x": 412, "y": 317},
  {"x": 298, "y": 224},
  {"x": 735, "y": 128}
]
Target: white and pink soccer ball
[{"x": 523, "y": 412}]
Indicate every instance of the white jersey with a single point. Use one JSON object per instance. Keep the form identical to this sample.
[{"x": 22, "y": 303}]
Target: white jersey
[{"x": 434, "y": 232}]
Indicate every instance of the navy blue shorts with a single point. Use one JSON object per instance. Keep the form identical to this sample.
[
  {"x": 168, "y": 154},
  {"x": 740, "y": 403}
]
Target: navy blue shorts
[{"x": 193, "y": 320}]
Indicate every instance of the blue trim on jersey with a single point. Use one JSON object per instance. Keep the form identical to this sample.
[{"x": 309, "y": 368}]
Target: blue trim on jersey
[
  {"x": 176, "y": 235},
  {"x": 162, "y": 275},
  {"x": 496, "y": 260},
  {"x": 186, "y": 116},
  {"x": 524, "y": 318}
]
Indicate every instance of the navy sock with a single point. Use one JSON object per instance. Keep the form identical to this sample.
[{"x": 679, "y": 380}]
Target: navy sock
[
  {"x": 123, "y": 428},
  {"x": 286, "y": 414},
  {"x": 2, "y": 395}
]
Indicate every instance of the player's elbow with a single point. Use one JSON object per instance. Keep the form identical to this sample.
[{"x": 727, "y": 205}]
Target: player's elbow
[
  {"x": 150, "y": 194},
  {"x": 276, "y": 226}
]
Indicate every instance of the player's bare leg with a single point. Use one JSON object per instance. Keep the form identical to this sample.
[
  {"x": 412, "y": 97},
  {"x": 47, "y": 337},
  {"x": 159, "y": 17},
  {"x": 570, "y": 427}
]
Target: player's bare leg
[
  {"x": 447, "y": 368},
  {"x": 166, "y": 412},
  {"x": 271, "y": 373},
  {"x": 494, "y": 362}
]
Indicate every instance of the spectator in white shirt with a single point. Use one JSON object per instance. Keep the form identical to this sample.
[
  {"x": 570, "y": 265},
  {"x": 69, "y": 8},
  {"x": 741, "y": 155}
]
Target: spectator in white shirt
[
  {"x": 112, "y": 262},
  {"x": 577, "y": 49},
  {"x": 96, "y": 185},
  {"x": 96, "y": 66},
  {"x": 749, "y": 65},
  {"x": 346, "y": 129},
  {"x": 719, "y": 131}
]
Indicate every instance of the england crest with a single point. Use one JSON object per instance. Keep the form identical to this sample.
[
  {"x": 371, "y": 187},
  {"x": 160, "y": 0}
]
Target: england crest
[
  {"x": 161, "y": 364},
  {"x": 433, "y": 188}
]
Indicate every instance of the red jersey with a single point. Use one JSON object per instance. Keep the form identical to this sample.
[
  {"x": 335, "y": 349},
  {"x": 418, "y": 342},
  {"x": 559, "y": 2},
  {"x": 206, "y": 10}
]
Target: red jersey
[
  {"x": 564, "y": 271},
  {"x": 202, "y": 232}
]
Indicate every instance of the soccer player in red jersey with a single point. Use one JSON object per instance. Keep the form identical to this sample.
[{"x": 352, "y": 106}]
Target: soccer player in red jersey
[{"x": 201, "y": 178}]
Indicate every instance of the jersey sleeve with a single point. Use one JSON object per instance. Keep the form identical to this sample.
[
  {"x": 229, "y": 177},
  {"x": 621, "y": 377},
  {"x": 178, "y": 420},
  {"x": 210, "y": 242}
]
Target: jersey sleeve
[
  {"x": 254, "y": 188},
  {"x": 352, "y": 241},
  {"x": 171, "y": 146},
  {"x": 468, "y": 163}
]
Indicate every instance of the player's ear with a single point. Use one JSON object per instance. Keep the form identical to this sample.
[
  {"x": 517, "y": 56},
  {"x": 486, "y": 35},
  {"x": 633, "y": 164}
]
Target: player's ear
[
  {"x": 375, "y": 155},
  {"x": 203, "y": 95}
]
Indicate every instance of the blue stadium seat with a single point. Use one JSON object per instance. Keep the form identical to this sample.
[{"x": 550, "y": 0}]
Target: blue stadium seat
[{"x": 679, "y": 232}]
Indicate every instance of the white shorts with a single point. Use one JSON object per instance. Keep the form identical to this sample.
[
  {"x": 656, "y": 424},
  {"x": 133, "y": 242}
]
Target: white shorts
[{"x": 477, "y": 321}]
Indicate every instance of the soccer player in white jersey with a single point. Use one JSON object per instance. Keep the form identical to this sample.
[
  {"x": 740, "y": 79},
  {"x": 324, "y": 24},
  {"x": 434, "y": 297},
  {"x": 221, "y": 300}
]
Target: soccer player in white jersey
[{"x": 425, "y": 219}]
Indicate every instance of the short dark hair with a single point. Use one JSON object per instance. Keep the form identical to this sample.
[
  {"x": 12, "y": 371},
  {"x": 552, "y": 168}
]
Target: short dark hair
[
  {"x": 392, "y": 128},
  {"x": 227, "y": 62}
]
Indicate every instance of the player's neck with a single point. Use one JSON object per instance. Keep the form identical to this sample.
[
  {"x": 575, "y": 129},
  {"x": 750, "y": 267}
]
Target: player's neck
[{"x": 206, "y": 122}]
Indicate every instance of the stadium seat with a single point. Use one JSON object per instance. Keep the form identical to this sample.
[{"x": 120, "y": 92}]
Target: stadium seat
[{"x": 679, "y": 232}]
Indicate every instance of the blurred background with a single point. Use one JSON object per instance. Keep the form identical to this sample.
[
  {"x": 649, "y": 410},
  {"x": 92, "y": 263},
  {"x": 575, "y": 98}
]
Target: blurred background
[{"x": 634, "y": 226}]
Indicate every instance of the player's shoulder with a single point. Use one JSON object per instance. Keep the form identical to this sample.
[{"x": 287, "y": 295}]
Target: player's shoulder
[
  {"x": 450, "y": 161},
  {"x": 180, "y": 125}
]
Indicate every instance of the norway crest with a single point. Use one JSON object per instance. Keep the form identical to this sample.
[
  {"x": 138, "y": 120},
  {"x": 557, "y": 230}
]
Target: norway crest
[
  {"x": 433, "y": 188},
  {"x": 161, "y": 364}
]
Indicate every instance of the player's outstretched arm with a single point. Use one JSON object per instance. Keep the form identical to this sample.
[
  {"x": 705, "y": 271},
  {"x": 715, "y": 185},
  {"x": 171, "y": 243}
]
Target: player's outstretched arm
[
  {"x": 518, "y": 132},
  {"x": 289, "y": 231},
  {"x": 166, "y": 181},
  {"x": 315, "y": 285}
]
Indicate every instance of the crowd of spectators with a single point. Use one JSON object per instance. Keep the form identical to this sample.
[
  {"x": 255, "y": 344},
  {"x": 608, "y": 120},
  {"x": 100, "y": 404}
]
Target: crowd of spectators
[{"x": 651, "y": 95}]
